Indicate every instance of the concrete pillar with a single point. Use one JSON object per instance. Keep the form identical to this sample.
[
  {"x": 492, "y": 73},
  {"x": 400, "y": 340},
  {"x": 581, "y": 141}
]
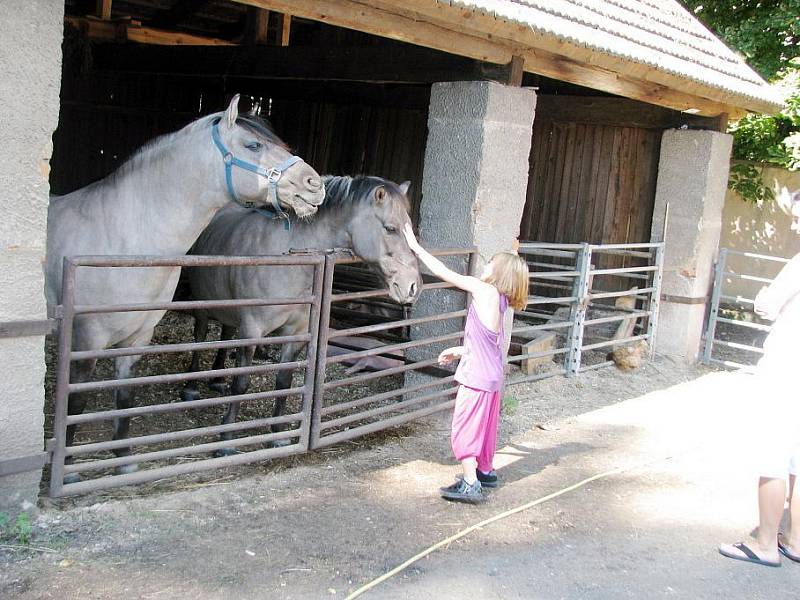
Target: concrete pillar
[
  {"x": 30, "y": 52},
  {"x": 476, "y": 176},
  {"x": 476, "y": 165},
  {"x": 690, "y": 195}
]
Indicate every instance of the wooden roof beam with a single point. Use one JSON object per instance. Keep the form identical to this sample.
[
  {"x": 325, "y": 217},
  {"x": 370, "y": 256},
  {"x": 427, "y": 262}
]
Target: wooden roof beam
[
  {"x": 387, "y": 20},
  {"x": 395, "y": 64},
  {"x": 121, "y": 31},
  {"x": 489, "y": 27}
]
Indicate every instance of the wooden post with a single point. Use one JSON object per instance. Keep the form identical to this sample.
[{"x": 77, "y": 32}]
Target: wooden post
[
  {"x": 257, "y": 26},
  {"x": 516, "y": 69},
  {"x": 104, "y": 9},
  {"x": 286, "y": 26},
  {"x": 722, "y": 122}
]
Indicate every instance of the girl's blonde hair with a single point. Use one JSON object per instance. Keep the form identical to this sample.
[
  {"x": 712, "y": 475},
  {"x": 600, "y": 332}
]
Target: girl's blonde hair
[{"x": 510, "y": 276}]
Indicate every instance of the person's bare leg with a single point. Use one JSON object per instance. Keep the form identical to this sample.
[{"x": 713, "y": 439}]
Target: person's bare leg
[
  {"x": 791, "y": 537},
  {"x": 771, "y": 498},
  {"x": 470, "y": 465}
]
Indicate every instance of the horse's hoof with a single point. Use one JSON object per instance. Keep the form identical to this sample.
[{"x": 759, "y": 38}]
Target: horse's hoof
[
  {"x": 127, "y": 469},
  {"x": 189, "y": 394},
  {"x": 71, "y": 478},
  {"x": 217, "y": 386},
  {"x": 222, "y": 452}
]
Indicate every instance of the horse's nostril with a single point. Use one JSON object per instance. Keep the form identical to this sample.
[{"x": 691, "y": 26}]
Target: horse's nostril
[{"x": 412, "y": 291}]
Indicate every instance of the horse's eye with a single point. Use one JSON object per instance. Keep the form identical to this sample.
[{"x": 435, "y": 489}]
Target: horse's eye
[
  {"x": 254, "y": 146},
  {"x": 390, "y": 229}
]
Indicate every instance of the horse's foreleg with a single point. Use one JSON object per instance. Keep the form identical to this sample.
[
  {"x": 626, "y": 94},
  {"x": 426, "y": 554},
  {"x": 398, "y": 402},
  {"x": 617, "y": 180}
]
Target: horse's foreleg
[
  {"x": 80, "y": 372},
  {"x": 239, "y": 385},
  {"x": 218, "y": 383},
  {"x": 283, "y": 381},
  {"x": 190, "y": 391},
  {"x": 123, "y": 366}
]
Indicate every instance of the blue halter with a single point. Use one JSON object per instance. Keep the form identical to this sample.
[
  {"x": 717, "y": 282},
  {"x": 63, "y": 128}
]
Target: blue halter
[{"x": 273, "y": 175}]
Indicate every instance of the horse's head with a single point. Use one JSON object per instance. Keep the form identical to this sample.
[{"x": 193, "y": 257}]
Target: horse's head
[
  {"x": 259, "y": 168},
  {"x": 377, "y": 234}
]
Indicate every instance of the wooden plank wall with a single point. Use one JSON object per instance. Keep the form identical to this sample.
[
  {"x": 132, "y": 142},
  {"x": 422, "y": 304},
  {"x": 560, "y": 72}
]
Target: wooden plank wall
[{"x": 590, "y": 182}]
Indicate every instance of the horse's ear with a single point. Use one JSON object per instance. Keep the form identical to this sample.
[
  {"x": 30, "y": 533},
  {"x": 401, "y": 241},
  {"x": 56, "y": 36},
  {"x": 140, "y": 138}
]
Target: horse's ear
[
  {"x": 404, "y": 187},
  {"x": 380, "y": 195},
  {"x": 231, "y": 113}
]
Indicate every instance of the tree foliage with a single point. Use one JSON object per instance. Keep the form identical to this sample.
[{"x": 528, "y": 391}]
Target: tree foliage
[{"x": 767, "y": 34}]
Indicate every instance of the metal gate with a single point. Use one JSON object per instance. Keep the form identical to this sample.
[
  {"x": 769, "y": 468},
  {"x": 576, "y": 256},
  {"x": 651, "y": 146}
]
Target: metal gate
[
  {"x": 333, "y": 406},
  {"x": 416, "y": 386},
  {"x": 740, "y": 344},
  {"x": 295, "y": 438},
  {"x": 580, "y": 288},
  {"x": 338, "y": 394}
]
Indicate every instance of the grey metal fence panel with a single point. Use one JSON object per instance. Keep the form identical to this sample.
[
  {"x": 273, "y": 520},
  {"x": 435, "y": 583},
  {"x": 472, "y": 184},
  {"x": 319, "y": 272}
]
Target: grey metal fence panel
[
  {"x": 567, "y": 275},
  {"x": 720, "y": 300}
]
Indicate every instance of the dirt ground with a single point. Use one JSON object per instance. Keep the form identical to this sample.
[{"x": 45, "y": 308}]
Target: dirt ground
[{"x": 323, "y": 524}]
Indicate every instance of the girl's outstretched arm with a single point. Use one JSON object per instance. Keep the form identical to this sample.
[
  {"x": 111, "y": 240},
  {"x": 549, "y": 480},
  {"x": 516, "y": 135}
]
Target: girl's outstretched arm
[{"x": 465, "y": 282}]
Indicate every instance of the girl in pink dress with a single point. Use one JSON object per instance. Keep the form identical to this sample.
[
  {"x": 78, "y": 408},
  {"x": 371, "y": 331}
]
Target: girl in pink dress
[{"x": 473, "y": 435}]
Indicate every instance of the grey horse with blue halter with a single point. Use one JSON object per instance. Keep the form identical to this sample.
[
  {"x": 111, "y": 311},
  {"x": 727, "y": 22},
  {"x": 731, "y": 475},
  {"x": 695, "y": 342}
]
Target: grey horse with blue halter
[{"x": 272, "y": 175}]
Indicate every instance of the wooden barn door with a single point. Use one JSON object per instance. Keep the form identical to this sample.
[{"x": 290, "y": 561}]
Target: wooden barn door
[{"x": 589, "y": 182}]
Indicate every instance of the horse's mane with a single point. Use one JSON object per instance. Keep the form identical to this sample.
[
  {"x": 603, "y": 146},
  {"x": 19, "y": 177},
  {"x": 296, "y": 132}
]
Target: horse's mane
[
  {"x": 149, "y": 150},
  {"x": 342, "y": 191},
  {"x": 262, "y": 127}
]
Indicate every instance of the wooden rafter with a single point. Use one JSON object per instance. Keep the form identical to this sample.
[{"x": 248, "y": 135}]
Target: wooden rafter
[
  {"x": 432, "y": 24},
  {"x": 120, "y": 31}
]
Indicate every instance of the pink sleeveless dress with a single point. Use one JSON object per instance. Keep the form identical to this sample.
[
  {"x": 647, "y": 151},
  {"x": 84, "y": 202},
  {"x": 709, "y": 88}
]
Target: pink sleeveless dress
[
  {"x": 477, "y": 409},
  {"x": 481, "y": 367}
]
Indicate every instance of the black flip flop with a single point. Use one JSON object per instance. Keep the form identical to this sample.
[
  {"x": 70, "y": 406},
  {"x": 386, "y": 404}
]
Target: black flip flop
[
  {"x": 783, "y": 549},
  {"x": 749, "y": 555}
]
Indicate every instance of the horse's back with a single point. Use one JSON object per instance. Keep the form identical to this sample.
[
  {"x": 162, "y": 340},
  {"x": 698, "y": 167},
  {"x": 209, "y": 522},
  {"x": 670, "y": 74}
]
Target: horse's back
[
  {"x": 78, "y": 225},
  {"x": 240, "y": 232}
]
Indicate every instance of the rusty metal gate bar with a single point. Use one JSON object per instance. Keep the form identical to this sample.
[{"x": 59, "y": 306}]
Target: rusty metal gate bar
[
  {"x": 722, "y": 272},
  {"x": 68, "y": 313},
  {"x": 376, "y": 411}
]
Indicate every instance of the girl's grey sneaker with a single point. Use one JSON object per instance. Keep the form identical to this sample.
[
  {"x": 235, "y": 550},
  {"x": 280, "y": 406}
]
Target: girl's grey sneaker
[
  {"x": 489, "y": 480},
  {"x": 461, "y": 491}
]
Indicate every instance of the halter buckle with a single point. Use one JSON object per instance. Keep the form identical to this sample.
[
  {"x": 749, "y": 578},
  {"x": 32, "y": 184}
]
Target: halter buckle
[
  {"x": 273, "y": 175},
  {"x": 228, "y": 158}
]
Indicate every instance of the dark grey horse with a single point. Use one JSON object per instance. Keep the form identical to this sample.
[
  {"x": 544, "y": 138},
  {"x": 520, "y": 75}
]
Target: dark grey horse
[
  {"x": 364, "y": 214},
  {"x": 157, "y": 204}
]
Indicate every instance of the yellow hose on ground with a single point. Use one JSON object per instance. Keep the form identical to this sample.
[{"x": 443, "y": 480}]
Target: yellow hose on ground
[{"x": 485, "y": 522}]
